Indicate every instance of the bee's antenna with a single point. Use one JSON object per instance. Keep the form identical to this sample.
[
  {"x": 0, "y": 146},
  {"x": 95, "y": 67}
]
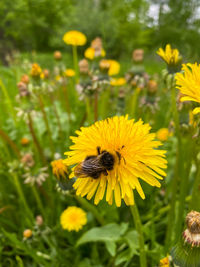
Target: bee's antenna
[{"x": 98, "y": 150}]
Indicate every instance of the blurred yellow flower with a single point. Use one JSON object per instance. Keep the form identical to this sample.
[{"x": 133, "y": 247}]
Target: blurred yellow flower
[
  {"x": 70, "y": 72},
  {"x": 163, "y": 134},
  {"x": 90, "y": 53},
  {"x": 118, "y": 81},
  {"x": 75, "y": 38},
  {"x": 169, "y": 55},
  {"x": 131, "y": 153},
  {"x": 36, "y": 70},
  {"x": 58, "y": 78},
  {"x": 164, "y": 262},
  {"x": 59, "y": 168},
  {"x": 73, "y": 219},
  {"x": 188, "y": 83},
  {"x": 114, "y": 67}
]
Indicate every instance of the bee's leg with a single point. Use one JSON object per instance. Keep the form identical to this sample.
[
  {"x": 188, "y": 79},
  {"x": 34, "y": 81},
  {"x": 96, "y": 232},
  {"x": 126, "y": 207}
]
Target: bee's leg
[
  {"x": 119, "y": 156},
  {"x": 105, "y": 173},
  {"x": 98, "y": 150}
]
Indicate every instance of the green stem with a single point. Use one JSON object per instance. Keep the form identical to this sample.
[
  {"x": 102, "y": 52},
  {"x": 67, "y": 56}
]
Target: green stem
[
  {"x": 75, "y": 60},
  {"x": 96, "y": 105},
  {"x": 65, "y": 92},
  {"x": 38, "y": 200},
  {"x": 184, "y": 183},
  {"x": 84, "y": 203},
  {"x": 196, "y": 190},
  {"x": 7, "y": 97},
  {"x": 133, "y": 103},
  {"x": 35, "y": 140},
  {"x": 177, "y": 169},
  {"x": 10, "y": 142},
  {"x": 138, "y": 226},
  {"x": 88, "y": 109},
  {"x": 46, "y": 124},
  {"x": 57, "y": 117},
  {"x": 21, "y": 196}
]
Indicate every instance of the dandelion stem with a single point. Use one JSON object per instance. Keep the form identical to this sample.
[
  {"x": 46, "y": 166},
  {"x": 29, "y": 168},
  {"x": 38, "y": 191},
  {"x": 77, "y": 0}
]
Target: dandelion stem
[
  {"x": 7, "y": 97},
  {"x": 196, "y": 189},
  {"x": 46, "y": 123},
  {"x": 177, "y": 168},
  {"x": 138, "y": 226},
  {"x": 35, "y": 140},
  {"x": 65, "y": 92},
  {"x": 91, "y": 208},
  {"x": 21, "y": 195},
  {"x": 57, "y": 116},
  {"x": 38, "y": 200},
  {"x": 96, "y": 105},
  {"x": 133, "y": 103},
  {"x": 10, "y": 142},
  {"x": 184, "y": 182},
  {"x": 75, "y": 60},
  {"x": 88, "y": 109}
]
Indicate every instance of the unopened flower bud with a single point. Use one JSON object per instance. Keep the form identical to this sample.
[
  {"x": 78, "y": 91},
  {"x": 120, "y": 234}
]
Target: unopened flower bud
[
  {"x": 27, "y": 233},
  {"x": 39, "y": 220},
  {"x": 57, "y": 55},
  {"x": 83, "y": 66}
]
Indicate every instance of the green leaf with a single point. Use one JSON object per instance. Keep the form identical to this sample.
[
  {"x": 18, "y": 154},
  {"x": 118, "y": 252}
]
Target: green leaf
[
  {"x": 110, "y": 232},
  {"x": 111, "y": 247},
  {"x": 19, "y": 261},
  {"x": 133, "y": 241}
]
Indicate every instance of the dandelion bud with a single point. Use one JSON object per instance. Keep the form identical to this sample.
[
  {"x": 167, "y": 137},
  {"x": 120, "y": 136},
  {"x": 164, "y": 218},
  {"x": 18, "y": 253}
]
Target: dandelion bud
[
  {"x": 39, "y": 220},
  {"x": 60, "y": 171},
  {"x": 192, "y": 233},
  {"x": 57, "y": 55},
  {"x": 25, "y": 79},
  {"x": 152, "y": 86},
  {"x": 83, "y": 66},
  {"x": 104, "y": 65},
  {"x": 27, "y": 233},
  {"x": 187, "y": 252},
  {"x": 46, "y": 73},
  {"x": 138, "y": 55},
  {"x": 36, "y": 70},
  {"x": 27, "y": 160},
  {"x": 24, "y": 141},
  {"x": 23, "y": 89},
  {"x": 96, "y": 43}
]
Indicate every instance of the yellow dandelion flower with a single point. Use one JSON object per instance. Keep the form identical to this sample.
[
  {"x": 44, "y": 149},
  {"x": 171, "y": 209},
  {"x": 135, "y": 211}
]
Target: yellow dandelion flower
[
  {"x": 90, "y": 53},
  {"x": 164, "y": 262},
  {"x": 36, "y": 70},
  {"x": 73, "y": 219},
  {"x": 188, "y": 83},
  {"x": 118, "y": 81},
  {"x": 59, "y": 168},
  {"x": 75, "y": 38},
  {"x": 122, "y": 151},
  {"x": 163, "y": 134},
  {"x": 114, "y": 67},
  {"x": 69, "y": 72},
  {"x": 169, "y": 55}
]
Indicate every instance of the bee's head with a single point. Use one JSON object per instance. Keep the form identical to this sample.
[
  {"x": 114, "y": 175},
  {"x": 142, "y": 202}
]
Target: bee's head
[{"x": 107, "y": 160}]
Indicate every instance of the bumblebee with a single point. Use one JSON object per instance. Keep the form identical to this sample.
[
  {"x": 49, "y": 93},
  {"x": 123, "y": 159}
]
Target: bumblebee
[{"x": 93, "y": 166}]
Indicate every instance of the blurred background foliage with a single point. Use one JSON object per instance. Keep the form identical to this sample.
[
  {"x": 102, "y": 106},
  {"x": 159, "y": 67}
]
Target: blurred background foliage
[{"x": 28, "y": 25}]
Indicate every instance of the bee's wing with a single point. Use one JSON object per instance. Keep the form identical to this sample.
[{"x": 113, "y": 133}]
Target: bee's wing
[
  {"x": 88, "y": 168},
  {"x": 78, "y": 171}
]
